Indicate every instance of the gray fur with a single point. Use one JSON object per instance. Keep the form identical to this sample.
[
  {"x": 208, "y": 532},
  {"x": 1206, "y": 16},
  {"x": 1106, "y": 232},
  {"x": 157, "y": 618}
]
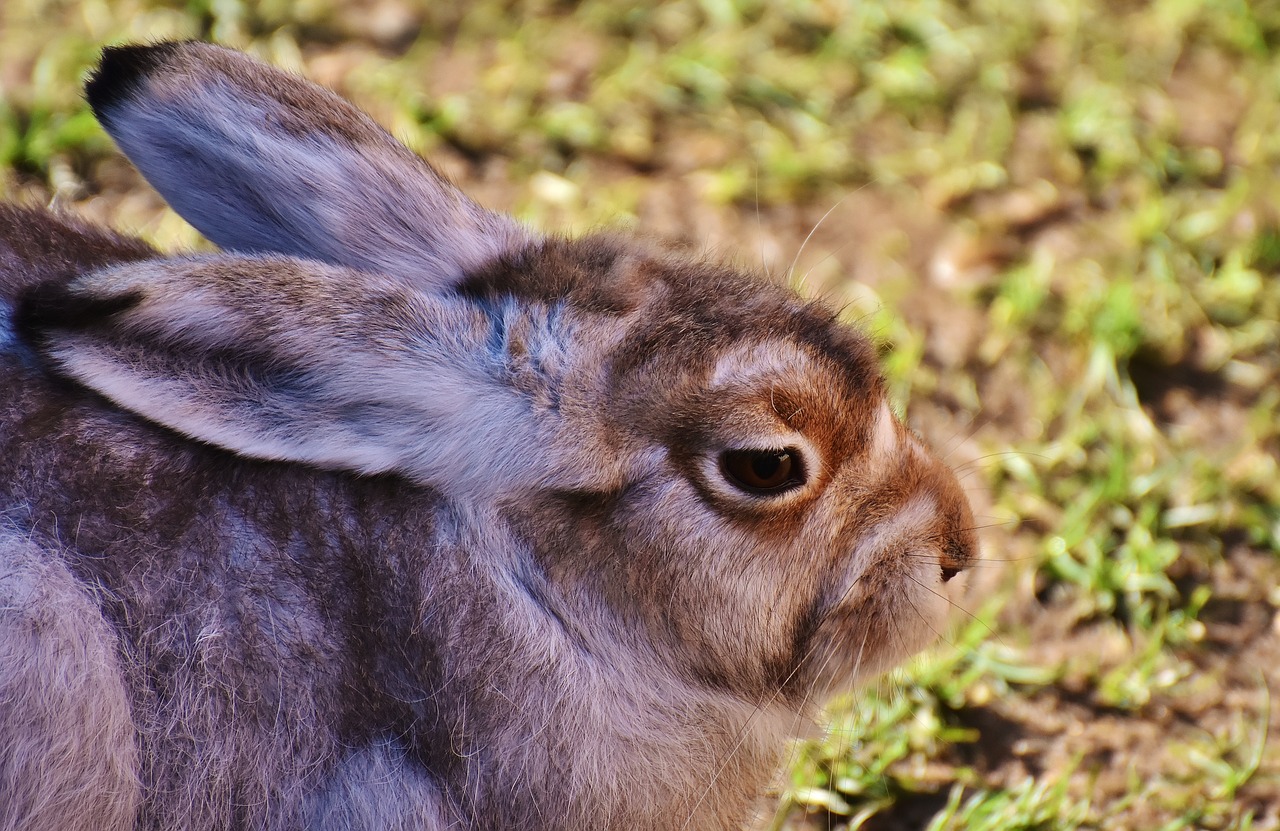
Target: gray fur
[
  {"x": 67, "y": 751},
  {"x": 352, "y": 371},
  {"x": 378, "y": 787},
  {"x": 317, "y": 541},
  {"x": 204, "y": 126}
]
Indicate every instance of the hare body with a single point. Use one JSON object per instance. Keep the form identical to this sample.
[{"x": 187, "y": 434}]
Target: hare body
[{"x": 444, "y": 527}]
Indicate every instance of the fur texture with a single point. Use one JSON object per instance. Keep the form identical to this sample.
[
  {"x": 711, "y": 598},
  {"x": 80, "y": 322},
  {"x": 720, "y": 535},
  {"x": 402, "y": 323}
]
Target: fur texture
[
  {"x": 262, "y": 161},
  {"x": 63, "y": 705},
  {"x": 404, "y": 519}
]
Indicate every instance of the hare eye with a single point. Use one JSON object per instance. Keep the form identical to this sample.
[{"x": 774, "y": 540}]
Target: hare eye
[{"x": 762, "y": 471}]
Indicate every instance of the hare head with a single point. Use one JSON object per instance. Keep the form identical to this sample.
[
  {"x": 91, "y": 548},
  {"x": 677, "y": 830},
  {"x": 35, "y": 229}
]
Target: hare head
[{"x": 676, "y": 489}]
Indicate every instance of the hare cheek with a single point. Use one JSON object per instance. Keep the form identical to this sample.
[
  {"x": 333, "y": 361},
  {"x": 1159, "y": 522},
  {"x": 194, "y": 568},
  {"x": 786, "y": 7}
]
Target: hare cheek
[{"x": 892, "y": 577}]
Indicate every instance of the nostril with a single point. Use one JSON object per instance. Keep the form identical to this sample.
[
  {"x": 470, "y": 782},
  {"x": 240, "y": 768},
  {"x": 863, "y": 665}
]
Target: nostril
[{"x": 950, "y": 571}]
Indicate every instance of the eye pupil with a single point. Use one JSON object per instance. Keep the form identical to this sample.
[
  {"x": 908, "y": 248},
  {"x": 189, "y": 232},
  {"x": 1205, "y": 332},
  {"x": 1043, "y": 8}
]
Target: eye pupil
[
  {"x": 765, "y": 467},
  {"x": 762, "y": 471}
]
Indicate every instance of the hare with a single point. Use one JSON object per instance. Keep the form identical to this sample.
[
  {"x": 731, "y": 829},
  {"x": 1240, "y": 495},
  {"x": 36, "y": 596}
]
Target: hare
[{"x": 398, "y": 515}]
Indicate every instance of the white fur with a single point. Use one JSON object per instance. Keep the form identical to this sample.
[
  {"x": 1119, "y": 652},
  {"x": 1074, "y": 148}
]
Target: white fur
[
  {"x": 751, "y": 360},
  {"x": 898, "y": 531}
]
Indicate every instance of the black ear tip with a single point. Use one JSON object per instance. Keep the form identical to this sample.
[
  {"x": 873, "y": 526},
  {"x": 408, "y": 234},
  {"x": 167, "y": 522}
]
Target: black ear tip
[
  {"x": 122, "y": 70},
  {"x": 52, "y": 305}
]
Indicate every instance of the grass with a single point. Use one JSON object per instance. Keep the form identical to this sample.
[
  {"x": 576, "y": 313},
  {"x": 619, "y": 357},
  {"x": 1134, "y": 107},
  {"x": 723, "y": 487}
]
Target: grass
[{"x": 1061, "y": 219}]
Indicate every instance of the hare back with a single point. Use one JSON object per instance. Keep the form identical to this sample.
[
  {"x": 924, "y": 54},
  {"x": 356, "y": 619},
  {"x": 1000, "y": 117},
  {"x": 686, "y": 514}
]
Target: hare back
[
  {"x": 217, "y": 658},
  {"x": 176, "y": 639},
  {"x": 37, "y": 245},
  {"x": 68, "y": 759}
]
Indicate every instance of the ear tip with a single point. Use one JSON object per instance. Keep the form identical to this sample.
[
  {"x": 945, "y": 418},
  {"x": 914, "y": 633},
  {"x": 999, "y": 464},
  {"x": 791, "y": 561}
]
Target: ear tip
[
  {"x": 121, "y": 71},
  {"x": 53, "y": 305}
]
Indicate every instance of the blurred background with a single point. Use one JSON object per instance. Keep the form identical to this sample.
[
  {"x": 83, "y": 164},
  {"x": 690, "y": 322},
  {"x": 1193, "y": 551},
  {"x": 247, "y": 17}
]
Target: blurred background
[{"x": 1059, "y": 218}]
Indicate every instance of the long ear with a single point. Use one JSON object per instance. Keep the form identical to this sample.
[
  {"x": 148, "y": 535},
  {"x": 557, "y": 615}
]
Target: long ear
[
  {"x": 261, "y": 161},
  {"x": 290, "y": 360}
]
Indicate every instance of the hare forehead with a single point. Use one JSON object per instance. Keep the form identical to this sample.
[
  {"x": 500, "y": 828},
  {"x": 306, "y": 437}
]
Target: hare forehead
[
  {"x": 768, "y": 362},
  {"x": 804, "y": 389}
]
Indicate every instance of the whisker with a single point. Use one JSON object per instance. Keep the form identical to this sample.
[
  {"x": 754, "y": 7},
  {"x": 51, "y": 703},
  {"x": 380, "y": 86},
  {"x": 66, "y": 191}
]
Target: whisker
[
  {"x": 995, "y": 455},
  {"x": 938, "y": 635},
  {"x": 791, "y": 268},
  {"x": 985, "y": 562},
  {"x": 805, "y": 277},
  {"x": 857, "y": 665},
  {"x": 755, "y": 167},
  {"x": 1012, "y": 522},
  {"x": 976, "y": 423},
  {"x": 990, "y": 631}
]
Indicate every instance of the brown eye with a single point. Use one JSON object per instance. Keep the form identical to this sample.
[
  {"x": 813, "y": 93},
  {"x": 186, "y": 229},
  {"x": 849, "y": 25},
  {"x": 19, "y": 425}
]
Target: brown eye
[{"x": 762, "y": 471}]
